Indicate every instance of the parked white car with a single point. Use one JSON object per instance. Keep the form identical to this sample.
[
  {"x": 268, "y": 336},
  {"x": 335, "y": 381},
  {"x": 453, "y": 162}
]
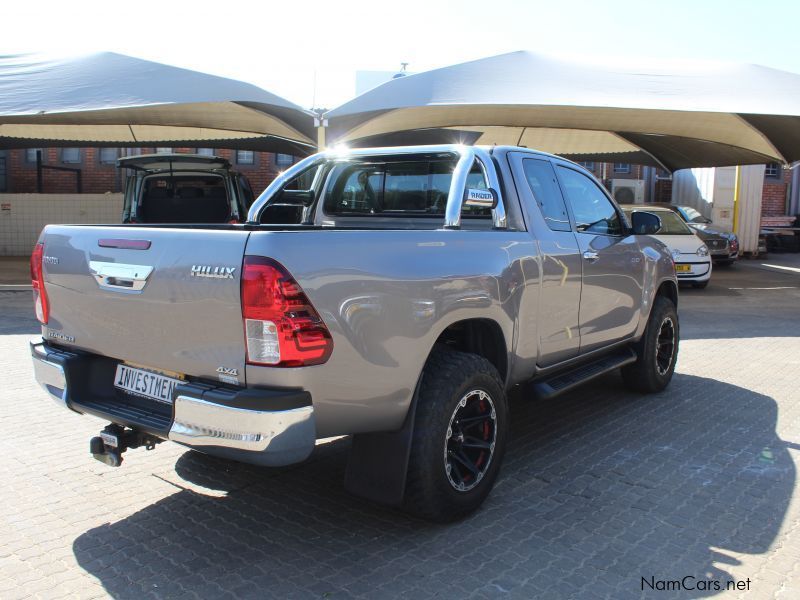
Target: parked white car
[{"x": 691, "y": 255}]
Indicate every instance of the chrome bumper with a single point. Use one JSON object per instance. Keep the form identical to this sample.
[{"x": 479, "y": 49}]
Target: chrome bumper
[
  {"x": 274, "y": 437},
  {"x": 49, "y": 374},
  {"x": 272, "y": 427}
]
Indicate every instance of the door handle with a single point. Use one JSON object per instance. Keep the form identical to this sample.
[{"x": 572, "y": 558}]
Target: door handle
[
  {"x": 120, "y": 277},
  {"x": 590, "y": 255}
]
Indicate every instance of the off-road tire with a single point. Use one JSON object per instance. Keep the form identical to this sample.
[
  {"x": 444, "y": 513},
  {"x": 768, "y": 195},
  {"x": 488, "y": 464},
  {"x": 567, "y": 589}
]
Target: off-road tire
[
  {"x": 450, "y": 376},
  {"x": 650, "y": 373}
]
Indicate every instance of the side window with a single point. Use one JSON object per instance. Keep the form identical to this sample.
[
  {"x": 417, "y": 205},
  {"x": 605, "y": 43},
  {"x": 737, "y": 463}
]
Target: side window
[
  {"x": 542, "y": 179},
  {"x": 593, "y": 212}
]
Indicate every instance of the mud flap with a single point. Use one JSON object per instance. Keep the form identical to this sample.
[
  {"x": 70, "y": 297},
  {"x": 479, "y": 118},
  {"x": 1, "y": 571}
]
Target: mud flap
[{"x": 378, "y": 462}]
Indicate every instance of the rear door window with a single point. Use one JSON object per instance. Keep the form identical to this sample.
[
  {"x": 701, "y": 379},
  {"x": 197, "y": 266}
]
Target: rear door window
[{"x": 542, "y": 179}]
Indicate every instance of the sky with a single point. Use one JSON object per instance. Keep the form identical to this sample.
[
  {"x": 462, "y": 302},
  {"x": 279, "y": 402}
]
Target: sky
[{"x": 309, "y": 51}]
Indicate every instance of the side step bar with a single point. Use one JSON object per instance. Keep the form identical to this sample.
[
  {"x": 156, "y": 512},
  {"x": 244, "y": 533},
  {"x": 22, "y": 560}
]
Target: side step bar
[{"x": 560, "y": 383}]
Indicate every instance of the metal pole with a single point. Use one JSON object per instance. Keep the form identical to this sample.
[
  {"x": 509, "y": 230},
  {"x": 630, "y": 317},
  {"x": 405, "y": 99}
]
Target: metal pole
[
  {"x": 320, "y": 138},
  {"x": 736, "y": 188}
]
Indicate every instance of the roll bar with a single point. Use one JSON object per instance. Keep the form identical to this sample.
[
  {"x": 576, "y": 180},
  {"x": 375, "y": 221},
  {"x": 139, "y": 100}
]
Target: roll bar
[{"x": 457, "y": 194}]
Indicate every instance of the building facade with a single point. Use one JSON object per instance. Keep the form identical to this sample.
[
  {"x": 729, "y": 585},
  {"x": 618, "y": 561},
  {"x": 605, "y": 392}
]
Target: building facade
[{"x": 99, "y": 173}]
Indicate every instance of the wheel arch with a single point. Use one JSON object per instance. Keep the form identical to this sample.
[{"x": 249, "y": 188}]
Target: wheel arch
[
  {"x": 480, "y": 336},
  {"x": 669, "y": 290}
]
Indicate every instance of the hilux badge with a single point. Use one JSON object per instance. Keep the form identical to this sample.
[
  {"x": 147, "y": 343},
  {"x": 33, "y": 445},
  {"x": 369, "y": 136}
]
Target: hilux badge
[{"x": 213, "y": 272}]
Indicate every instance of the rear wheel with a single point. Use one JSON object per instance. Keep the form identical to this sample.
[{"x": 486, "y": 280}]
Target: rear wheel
[
  {"x": 460, "y": 436},
  {"x": 657, "y": 350}
]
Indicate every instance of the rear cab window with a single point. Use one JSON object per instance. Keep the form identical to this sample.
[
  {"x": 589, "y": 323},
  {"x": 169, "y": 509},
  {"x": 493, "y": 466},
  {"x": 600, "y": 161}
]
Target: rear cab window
[{"x": 402, "y": 189}]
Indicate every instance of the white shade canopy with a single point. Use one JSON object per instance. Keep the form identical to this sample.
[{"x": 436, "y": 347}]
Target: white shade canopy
[
  {"x": 109, "y": 99},
  {"x": 692, "y": 116}
]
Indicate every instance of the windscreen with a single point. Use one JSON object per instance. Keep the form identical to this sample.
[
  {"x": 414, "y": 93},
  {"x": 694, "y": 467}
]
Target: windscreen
[
  {"x": 405, "y": 189},
  {"x": 692, "y": 215}
]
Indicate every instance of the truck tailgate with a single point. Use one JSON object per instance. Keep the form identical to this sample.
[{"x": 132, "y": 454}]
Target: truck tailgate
[{"x": 185, "y": 318}]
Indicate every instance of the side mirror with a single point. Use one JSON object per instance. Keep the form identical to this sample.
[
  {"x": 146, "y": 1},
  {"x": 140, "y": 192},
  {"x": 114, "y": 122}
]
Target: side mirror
[{"x": 645, "y": 223}]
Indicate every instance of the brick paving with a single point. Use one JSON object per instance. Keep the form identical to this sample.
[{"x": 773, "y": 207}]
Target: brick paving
[{"x": 600, "y": 489}]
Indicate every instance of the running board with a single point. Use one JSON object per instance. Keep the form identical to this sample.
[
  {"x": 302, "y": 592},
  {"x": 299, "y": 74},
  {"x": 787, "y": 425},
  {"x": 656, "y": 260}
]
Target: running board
[{"x": 557, "y": 384}]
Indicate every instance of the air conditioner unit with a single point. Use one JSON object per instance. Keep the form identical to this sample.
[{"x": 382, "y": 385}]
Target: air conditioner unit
[{"x": 628, "y": 191}]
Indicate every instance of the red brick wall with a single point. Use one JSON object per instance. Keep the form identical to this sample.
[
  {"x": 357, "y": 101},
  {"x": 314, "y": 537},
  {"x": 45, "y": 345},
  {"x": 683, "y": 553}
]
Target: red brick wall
[
  {"x": 98, "y": 178},
  {"x": 663, "y": 191},
  {"x": 773, "y": 199}
]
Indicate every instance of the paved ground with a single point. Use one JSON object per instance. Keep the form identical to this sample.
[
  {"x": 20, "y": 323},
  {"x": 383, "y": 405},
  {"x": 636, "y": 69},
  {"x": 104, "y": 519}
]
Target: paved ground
[{"x": 601, "y": 488}]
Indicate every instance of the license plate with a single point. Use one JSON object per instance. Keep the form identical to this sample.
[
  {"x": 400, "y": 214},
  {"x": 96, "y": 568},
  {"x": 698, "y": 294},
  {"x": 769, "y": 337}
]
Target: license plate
[
  {"x": 147, "y": 384},
  {"x": 683, "y": 268}
]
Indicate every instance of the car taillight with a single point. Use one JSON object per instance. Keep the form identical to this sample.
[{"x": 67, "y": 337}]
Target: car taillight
[
  {"x": 281, "y": 326},
  {"x": 37, "y": 283}
]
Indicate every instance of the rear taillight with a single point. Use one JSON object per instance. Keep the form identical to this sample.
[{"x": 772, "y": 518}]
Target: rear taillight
[
  {"x": 37, "y": 283},
  {"x": 281, "y": 326}
]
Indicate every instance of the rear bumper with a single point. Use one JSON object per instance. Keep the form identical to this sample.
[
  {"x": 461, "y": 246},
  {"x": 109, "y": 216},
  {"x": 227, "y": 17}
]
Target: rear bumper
[{"x": 272, "y": 427}]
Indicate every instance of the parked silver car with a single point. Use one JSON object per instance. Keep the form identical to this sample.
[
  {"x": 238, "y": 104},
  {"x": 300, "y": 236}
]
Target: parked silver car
[{"x": 722, "y": 245}]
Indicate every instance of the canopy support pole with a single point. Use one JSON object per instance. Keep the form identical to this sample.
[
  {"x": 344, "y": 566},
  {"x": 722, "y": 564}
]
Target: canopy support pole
[
  {"x": 320, "y": 123},
  {"x": 736, "y": 188}
]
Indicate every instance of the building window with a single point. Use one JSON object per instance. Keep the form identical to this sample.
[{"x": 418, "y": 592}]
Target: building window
[
  {"x": 108, "y": 156},
  {"x": 773, "y": 170},
  {"x": 2, "y": 174},
  {"x": 205, "y": 151},
  {"x": 70, "y": 155},
  {"x": 30, "y": 155},
  {"x": 588, "y": 165},
  {"x": 284, "y": 160},
  {"x": 163, "y": 150},
  {"x": 245, "y": 157},
  {"x": 622, "y": 168}
]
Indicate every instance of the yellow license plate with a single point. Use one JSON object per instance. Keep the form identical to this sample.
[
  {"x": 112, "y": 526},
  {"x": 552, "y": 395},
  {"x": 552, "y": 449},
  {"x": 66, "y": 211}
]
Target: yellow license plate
[{"x": 683, "y": 268}]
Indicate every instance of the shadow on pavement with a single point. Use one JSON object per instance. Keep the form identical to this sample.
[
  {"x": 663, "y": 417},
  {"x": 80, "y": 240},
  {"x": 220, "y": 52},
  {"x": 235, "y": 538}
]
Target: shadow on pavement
[{"x": 600, "y": 489}]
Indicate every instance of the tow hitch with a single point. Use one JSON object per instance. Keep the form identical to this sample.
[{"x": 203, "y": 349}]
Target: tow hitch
[{"x": 115, "y": 439}]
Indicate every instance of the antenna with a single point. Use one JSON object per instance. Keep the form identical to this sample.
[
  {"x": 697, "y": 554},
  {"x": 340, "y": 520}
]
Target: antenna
[{"x": 314, "y": 92}]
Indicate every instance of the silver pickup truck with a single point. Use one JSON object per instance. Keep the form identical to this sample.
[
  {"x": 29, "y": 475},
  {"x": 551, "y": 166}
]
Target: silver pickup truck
[{"x": 391, "y": 294}]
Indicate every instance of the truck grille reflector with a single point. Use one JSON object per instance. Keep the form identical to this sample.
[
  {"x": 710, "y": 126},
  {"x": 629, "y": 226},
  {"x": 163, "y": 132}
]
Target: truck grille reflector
[
  {"x": 282, "y": 328},
  {"x": 40, "y": 301}
]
